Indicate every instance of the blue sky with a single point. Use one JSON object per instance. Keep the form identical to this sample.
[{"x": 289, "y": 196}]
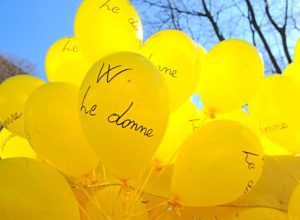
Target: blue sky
[{"x": 29, "y": 27}]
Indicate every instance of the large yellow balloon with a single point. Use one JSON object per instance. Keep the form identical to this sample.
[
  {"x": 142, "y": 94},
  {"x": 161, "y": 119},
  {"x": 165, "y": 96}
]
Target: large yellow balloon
[
  {"x": 53, "y": 129},
  {"x": 30, "y": 190},
  {"x": 231, "y": 73},
  {"x": 177, "y": 58},
  {"x": 293, "y": 208},
  {"x": 124, "y": 112},
  {"x": 275, "y": 111},
  {"x": 218, "y": 163},
  {"x": 107, "y": 26},
  {"x": 65, "y": 62},
  {"x": 14, "y": 146},
  {"x": 14, "y": 93}
]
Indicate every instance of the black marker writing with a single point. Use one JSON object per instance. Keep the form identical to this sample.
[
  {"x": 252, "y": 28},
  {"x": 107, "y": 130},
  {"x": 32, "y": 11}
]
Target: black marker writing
[
  {"x": 274, "y": 127},
  {"x": 119, "y": 121},
  {"x": 250, "y": 164},
  {"x": 83, "y": 107},
  {"x": 109, "y": 70},
  {"x": 134, "y": 23},
  {"x": 195, "y": 123},
  {"x": 69, "y": 48},
  {"x": 249, "y": 186},
  {"x": 11, "y": 119},
  {"x": 167, "y": 70},
  {"x": 113, "y": 9}
]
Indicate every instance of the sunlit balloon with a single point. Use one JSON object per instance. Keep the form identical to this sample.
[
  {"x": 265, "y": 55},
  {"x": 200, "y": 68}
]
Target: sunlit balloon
[
  {"x": 293, "y": 70},
  {"x": 65, "y": 62},
  {"x": 232, "y": 71},
  {"x": 219, "y": 162},
  {"x": 124, "y": 111},
  {"x": 105, "y": 26},
  {"x": 53, "y": 129},
  {"x": 14, "y": 93},
  {"x": 275, "y": 111},
  {"x": 31, "y": 190},
  {"x": 178, "y": 60},
  {"x": 12, "y": 145}
]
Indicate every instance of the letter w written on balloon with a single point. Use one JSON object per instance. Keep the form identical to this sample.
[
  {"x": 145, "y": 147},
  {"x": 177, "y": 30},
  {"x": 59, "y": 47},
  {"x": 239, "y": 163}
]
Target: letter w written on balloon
[{"x": 111, "y": 72}]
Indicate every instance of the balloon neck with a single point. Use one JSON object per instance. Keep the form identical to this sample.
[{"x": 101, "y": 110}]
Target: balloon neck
[
  {"x": 157, "y": 165},
  {"x": 210, "y": 113},
  {"x": 88, "y": 179},
  {"x": 176, "y": 205}
]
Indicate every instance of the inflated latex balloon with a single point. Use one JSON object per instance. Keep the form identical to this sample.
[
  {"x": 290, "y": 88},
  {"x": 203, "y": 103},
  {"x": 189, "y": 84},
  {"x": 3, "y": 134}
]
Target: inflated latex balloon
[
  {"x": 293, "y": 70},
  {"x": 232, "y": 71},
  {"x": 219, "y": 162},
  {"x": 53, "y": 129},
  {"x": 275, "y": 111},
  {"x": 65, "y": 62},
  {"x": 31, "y": 190},
  {"x": 14, "y": 93},
  {"x": 107, "y": 26},
  {"x": 177, "y": 58},
  {"x": 124, "y": 111},
  {"x": 113, "y": 202},
  {"x": 226, "y": 213},
  {"x": 14, "y": 146},
  {"x": 183, "y": 121},
  {"x": 293, "y": 208}
]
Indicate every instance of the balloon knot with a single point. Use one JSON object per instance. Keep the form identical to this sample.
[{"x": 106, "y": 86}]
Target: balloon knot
[
  {"x": 210, "y": 113},
  {"x": 158, "y": 166},
  {"x": 175, "y": 204}
]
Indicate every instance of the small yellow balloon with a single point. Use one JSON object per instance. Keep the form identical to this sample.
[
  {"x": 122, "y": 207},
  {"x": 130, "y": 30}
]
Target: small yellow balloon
[
  {"x": 124, "y": 112},
  {"x": 107, "y": 26},
  {"x": 31, "y": 190},
  {"x": 232, "y": 71},
  {"x": 219, "y": 162},
  {"x": 65, "y": 62},
  {"x": 293, "y": 208},
  {"x": 177, "y": 58},
  {"x": 14, "y": 93},
  {"x": 293, "y": 70},
  {"x": 53, "y": 129},
  {"x": 275, "y": 111},
  {"x": 14, "y": 146}
]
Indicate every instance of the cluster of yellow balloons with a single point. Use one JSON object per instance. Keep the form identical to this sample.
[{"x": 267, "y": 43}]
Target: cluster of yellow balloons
[{"x": 114, "y": 133}]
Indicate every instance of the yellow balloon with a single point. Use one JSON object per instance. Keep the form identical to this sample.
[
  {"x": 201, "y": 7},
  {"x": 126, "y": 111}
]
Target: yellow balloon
[
  {"x": 226, "y": 213},
  {"x": 293, "y": 208},
  {"x": 275, "y": 111},
  {"x": 30, "y": 190},
  {"x": 177, "y": 58},
  {"x": 53, "y": 129},
  {"x": 232, "y": 71},
  {"x": 107, "y": 26},
  {"x": 65, "y": 62},
  {"x": 14, "y": 146},
  {"x": 14, "y": 93},
  {"x": 124, "y": 112},
  {"x": 219, "y": 162},
  {"x": 293, "y": 70},
  {"x": 113, "y": 202},
  {"x": 183, "y": 121}
]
